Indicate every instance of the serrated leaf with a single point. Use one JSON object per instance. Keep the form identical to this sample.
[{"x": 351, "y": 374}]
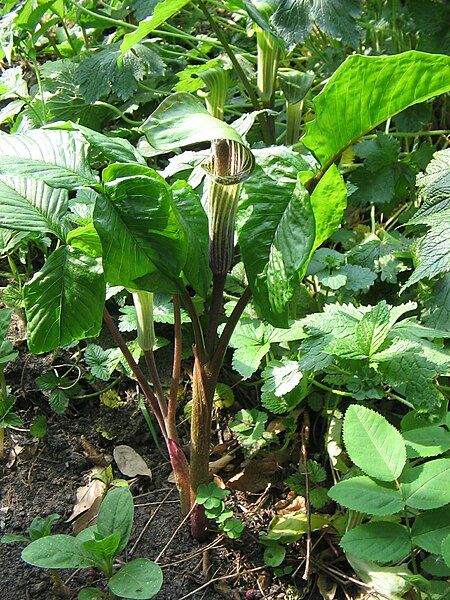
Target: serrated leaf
[
  {"x": 246, "y": 360},
  {"x": 427, "y": 486},
  {"x": 445, "y": 549},
  {"x": 59, "y": 401},
  {"x": 426, "y": 441},
  {"x": 381, "y": 86},
  {"x": 103, "y": 72},
  {"x": 430, "y": 528},
  {"x": 373, "y": 328},
  {"x": 97, "y": 360},
  {"x": 64, "y": 301},
  {"x": 380, "y": 541},
  {"x": 366, "y": 495},
  {"x": 373, "y": 444},
  {"x": 437, "y": 306}
]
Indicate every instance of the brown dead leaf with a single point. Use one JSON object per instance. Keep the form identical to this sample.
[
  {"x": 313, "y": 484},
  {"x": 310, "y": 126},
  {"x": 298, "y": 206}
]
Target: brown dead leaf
[
  {"x": 13, "y": 454},
  {"x": 327, "y": 587},
  {"x": 221, "y": 448},
  {"x": 220, "y": 463},
  {"x": 88, "y": 518},
  {"x": 219, "y": 482},
  {"x": 276, "y": 426},
  {"x": 87, "y": 494},
  {"x": 255, "y": 476},
  {"x": 92, "y": 454},
  {"x": 171, "y": 478},
  {"x": 298, "y": 503},
  {"x": 129, "y": 462}
]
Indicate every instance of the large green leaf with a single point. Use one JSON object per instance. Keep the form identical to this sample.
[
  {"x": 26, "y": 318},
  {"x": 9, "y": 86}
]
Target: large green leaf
[
  {"x": 57, "y": 157},
  {"x": 31, "y": 205},
  {"x": 182, "y": 120},
  {"x": 57, "y": 552},
  {"x": 140, "y": 230},
  {"x": 293, "y": 19},
  {"x": 329, "y": 201},
  {"x": 368, "y": 496},
  {"x": 276, "y": 231},
  {"x": 373, "y": 444},
  {"x": 163, "y": 11},
  {"x": 64, "y": 301},
  {"x": 427, "y": 486},
  {"x": 365, "y": 91},
  {"x": 380, "y": 541},
  {"x": 195, "y": 220},
  {"x": 431, "y": 528}
]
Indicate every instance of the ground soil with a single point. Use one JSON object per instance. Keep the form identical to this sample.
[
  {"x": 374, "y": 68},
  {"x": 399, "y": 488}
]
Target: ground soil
[{"x": 44, "y": 477}]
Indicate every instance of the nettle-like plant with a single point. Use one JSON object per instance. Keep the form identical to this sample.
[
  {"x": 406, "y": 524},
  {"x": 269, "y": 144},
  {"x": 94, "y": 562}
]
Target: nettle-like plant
[
  {"x": 147, "y": 235},
  {"x": 397, "y": 499}
]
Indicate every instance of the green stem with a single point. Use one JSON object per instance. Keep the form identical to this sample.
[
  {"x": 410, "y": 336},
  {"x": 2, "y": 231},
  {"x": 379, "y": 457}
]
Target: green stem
[
  {"x": 101, "y": 17},
  {"x": 118, "y": 112},
  {"x": 324, "y": 387},
  {"x": 69, "y": 37},
  {"x": 110, "y": 386},
  {"x": 293, "y": 122},
  {"x": 240, "y": 72}
]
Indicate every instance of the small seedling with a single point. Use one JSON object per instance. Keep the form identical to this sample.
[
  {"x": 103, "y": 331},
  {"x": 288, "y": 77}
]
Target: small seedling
[
  {"x": 97, "y": 546},
  {"x": 40, "y": 527}
]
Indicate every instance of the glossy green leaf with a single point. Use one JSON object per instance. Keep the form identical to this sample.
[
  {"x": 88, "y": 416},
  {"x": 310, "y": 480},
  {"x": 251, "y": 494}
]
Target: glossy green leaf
[
  {"x": 380, "y": 541},
  {"x": 140, "y": 579},
  {"x": 291, "y": 528},
  {"x": 328, "y": 201},
  {"x": 426, "y": 441},
  {"x": 435, "y": 565},
  {"x": 57, "y": 552},
  {"x": 115, "y": 149},
  {"x": 31, "y": 205},
  {"x": 140, "y": 230},
  {"x": 276, "y": 232},
  {"x": 193, "y": 216},
  {"x": 59, "y": 158},
  {"x": 445, "y": 549},
  {"x": 90, "y": 594},
  {"x": 103, "y": 550},
  {"x": 427, "y": 486},
  {"x": 373, "y": 444},
  {"x": 86, "y": 239},
  {"x": 182, "y": 120},
  {"x": 366, "y": 495},
  {"x": 163, "y": 11},
  {"x": 64, "y": 301},
  {"x": 274, "y": 554},
  {"x": 365, "y": 90},
  {"x": 430, "y": 528},
  {"x": 116, "y": 515}
]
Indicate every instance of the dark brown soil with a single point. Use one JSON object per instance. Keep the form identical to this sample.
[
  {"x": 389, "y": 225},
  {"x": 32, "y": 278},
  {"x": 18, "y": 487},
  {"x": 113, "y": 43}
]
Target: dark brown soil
[{"x": 46, "y": 474}]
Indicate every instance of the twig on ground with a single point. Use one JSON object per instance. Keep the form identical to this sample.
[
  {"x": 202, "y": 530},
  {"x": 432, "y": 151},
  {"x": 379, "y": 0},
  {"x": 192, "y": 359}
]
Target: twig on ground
[
  {"x": 146, "y": 526},
  {"x": 175, "y": 533}
]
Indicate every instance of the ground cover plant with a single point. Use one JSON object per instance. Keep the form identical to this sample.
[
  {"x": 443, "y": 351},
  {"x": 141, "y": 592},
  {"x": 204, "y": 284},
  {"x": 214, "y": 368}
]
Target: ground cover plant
[{"x": 268, "y": 178}]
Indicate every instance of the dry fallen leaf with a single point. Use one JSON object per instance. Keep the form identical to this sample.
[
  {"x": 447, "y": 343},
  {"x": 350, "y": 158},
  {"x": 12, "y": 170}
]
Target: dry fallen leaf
[
  {"x": 327, "y": 587},
  {"x": 88, "y": 518},
  {"x": 298, "y": 503},
  {"x": 92, "y": 454},
  {"x": 87, "y": 494},
  {"x": 129, "y": 462},
  {"x": 220, "y": 463},
  {"x": 255, "y": 476}
]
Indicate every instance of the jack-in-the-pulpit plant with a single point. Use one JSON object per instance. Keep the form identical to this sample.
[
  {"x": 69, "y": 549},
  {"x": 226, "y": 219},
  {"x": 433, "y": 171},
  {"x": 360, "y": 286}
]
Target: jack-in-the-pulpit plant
[{"x": 147, "y": 234}]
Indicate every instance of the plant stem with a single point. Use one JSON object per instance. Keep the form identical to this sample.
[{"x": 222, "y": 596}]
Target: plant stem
[
  {"x": 176, "y": 365},
  {"x": 102, "y": 391},
  {"x": 324, "y": 387},
  {"x": 215, "y": 310},
  {"x": 151, "y": 364},
  {"x": 230, "y": 326},
  {"x": 196, "y": 326},
  {"x": 240, "y": 72},
  {"x": 3, "y": 396},
  {"x": 121, "y": 114},
  {"x": 148, "y": 392}
]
